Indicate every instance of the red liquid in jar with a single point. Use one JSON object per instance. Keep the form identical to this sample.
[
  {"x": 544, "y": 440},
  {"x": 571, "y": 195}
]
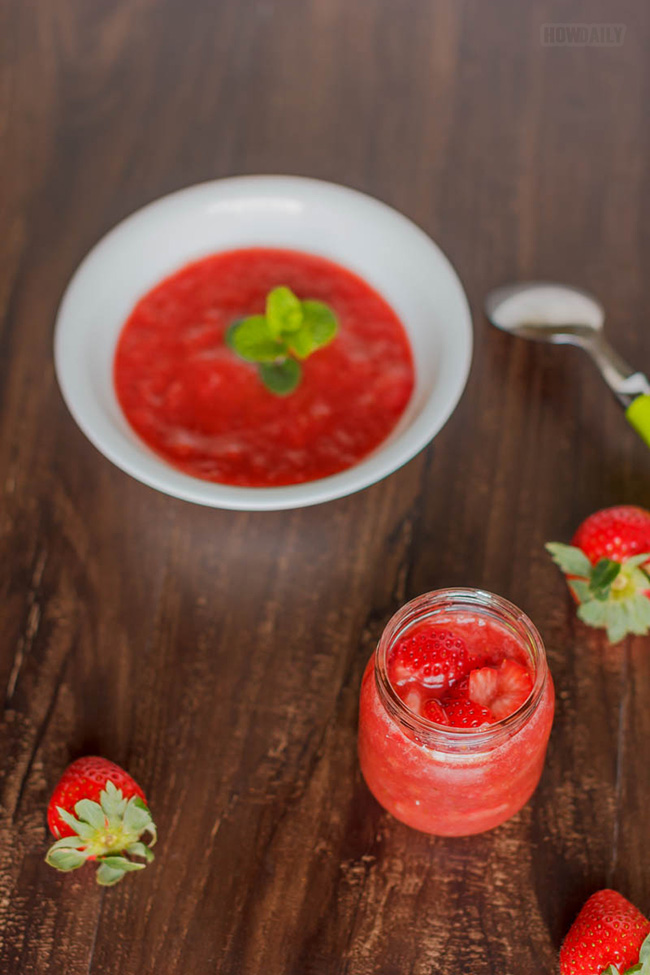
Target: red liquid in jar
[{"x": 429, "y": 781}]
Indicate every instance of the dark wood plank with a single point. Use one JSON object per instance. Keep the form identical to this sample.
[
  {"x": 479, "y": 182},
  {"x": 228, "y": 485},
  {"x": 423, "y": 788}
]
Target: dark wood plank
[{"x": 218, "y": 655}]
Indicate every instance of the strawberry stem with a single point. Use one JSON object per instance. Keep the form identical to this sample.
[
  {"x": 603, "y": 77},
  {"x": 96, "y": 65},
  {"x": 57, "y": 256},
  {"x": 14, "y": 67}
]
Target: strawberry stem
[
  {"x": 611, "y": 595},
  {"x": 106, "y": 831},
  {"x": 602, "y": 576}
]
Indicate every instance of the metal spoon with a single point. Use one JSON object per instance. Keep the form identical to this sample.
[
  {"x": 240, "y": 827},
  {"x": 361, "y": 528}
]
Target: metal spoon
[{"x": 562, "y": 315}]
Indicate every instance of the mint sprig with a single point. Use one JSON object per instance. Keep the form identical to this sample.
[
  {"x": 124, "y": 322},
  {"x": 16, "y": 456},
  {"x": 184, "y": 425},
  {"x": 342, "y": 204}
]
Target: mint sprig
[{"x": 290, "y": 331}]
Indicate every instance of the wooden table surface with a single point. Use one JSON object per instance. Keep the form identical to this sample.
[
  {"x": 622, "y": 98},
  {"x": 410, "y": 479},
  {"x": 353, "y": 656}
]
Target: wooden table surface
[{"x": 218, "y": 655}]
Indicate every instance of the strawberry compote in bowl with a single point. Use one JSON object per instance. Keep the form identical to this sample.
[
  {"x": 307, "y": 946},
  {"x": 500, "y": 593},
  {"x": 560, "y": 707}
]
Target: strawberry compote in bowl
[{"x": 456, "y": 711}]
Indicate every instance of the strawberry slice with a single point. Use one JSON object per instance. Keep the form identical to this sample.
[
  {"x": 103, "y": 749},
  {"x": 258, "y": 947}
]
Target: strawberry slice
[
  {"x": 459, "y": 690},
  {"x": 434, "y": 711},
  {"x": 502, "y": 689},
  {"x": 467, "y": 714},
  {"x": 412, "y": 696},
  {"x": 482, "y": 685},
  {"x": 437, "y": 659}
]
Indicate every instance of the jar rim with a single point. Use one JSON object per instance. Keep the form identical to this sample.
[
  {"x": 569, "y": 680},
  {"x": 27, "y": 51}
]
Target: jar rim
[{"x": 479, "y": 602}]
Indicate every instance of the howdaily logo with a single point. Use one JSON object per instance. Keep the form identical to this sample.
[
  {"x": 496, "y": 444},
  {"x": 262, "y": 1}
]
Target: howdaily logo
[{"x": 582, "y": 35}]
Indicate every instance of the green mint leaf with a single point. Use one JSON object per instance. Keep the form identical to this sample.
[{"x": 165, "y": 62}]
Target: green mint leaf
[
  {"x": 252, "y": 339},
  {"x": 283, "y": 312},
  {"x": 318, "y": 329},
  {"x": 602, "y": 577},
  {"x": 301, "y": 343},
  {"x": 570, "y": 559},
  {"x": 230, "y": 333},
  {"x": 281, "y": 377},
  {"x": 321, "y": 320}
]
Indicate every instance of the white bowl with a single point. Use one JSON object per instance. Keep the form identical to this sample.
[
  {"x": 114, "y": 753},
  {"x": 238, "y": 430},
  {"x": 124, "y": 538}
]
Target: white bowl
[{"x": 370, "y": 238}]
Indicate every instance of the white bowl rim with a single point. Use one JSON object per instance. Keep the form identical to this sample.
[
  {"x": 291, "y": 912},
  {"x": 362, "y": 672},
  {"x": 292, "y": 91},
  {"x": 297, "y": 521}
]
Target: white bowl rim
[{"x": 383, "y": 461}]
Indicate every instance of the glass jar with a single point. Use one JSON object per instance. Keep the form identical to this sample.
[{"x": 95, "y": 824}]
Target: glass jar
[{"x": 445, "y": 780}]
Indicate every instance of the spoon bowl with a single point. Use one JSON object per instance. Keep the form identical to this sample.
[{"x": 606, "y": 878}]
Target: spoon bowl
[
  {"x": 562, "y": 315},
  {"x": 546, "y": 312}
]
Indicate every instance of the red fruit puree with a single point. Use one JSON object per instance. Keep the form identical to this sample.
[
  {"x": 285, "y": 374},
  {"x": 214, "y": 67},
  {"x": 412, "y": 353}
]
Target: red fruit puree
[
  {"x": 206, "y": 411},
  {"x": 455, "y": 713}
]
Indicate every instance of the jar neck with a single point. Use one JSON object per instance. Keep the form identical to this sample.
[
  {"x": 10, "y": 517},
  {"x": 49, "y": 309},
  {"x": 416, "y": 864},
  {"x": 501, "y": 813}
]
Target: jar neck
[{"x": 445, "y": 603}]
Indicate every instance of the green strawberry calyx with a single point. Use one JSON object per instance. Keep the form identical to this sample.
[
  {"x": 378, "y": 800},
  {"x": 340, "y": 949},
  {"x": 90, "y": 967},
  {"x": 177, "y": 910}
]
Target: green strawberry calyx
[
  {"x": 110, "y": 832},
  {"x": 611, "y": 595},
  {"x": 641, "y": 968}
]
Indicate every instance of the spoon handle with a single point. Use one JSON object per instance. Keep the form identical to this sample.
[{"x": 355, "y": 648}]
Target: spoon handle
[
  {"x": 623, "y": 381},
  {"x": 638, "y": 416},
  {"x": 631, "y": 389}
]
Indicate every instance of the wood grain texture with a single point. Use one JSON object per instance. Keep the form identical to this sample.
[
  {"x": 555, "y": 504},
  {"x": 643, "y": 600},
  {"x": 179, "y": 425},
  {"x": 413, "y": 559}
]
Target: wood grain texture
[{"x": 218, "y": 655}]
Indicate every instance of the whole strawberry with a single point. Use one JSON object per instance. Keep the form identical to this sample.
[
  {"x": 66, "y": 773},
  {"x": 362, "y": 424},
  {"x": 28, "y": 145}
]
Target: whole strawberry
[
  {"x": 608, "y": 570},
  {"x": 98, "y": 812},
  {"x": 608, "y": 937}
]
